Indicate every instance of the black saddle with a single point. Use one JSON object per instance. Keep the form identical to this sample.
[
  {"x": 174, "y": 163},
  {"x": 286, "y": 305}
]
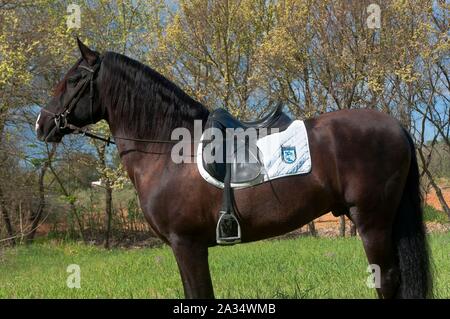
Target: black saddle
[
  {"x": 222, "y": 119},
  {"x": 231, "y": 167},
  {"x": 241, "y": 171}
]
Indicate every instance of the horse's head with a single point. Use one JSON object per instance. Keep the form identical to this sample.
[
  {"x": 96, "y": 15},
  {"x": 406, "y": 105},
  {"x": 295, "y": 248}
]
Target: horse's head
[{"x": 76, "y": 100}]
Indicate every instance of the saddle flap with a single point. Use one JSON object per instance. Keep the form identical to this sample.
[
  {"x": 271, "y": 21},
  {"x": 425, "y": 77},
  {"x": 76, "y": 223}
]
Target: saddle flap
[{"x": 245, "y": 163}]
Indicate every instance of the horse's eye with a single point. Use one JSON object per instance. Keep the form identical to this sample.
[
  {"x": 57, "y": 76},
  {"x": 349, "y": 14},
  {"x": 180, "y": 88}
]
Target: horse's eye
[{"x": 73, "y": 79}]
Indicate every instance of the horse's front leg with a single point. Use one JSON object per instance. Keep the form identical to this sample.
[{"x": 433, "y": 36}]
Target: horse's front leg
[{"x": 192, "y": 260}]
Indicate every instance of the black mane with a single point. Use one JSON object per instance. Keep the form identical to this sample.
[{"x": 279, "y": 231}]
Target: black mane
[{"x": 142, "y": 101}]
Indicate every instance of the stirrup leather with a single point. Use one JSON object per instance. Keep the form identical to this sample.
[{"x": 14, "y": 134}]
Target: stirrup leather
[{"x": 228, "y": 230}]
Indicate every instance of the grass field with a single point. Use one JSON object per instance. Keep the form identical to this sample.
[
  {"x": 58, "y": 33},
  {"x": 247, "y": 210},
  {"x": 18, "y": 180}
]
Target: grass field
[{"x": 298, "y": 268}]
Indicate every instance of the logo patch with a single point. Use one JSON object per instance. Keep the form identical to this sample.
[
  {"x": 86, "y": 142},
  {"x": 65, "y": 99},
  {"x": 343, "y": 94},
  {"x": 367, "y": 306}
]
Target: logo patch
[{"x": 288, "y": 154}]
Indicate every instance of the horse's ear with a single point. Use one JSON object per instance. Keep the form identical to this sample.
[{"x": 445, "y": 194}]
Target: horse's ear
[{"x": 88, "y": 55}]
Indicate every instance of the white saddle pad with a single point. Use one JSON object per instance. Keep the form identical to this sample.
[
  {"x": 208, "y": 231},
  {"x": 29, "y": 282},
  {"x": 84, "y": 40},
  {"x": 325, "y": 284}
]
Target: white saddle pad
[{"x": 282, "y": 154}]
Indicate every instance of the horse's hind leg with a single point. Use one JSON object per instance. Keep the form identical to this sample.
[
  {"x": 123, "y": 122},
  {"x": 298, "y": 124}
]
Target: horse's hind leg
[
  {"x": 192, "y": 260},
  {"x": 376, "y": 235}
]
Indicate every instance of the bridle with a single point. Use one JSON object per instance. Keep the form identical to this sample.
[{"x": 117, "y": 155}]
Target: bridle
[
  {"x": 60, "y": 118},
  {"x": 61, "y": 121}
]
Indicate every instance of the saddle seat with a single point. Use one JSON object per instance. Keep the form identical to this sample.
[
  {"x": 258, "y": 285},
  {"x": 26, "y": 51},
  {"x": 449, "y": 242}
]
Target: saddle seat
[
  {"x": 222, "y": 119},
  {"x": 241, "y": 171}
]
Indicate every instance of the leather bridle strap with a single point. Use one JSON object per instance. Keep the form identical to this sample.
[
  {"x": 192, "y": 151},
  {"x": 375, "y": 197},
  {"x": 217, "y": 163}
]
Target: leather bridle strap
[
  {"x": 91, "y": 87},
  {"x": 85, "y": 131},
  {"x": 61, "y": 118},
  {"x": 73, "y": 102}
]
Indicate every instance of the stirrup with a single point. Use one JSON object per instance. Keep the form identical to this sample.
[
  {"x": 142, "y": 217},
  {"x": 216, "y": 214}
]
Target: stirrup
[{"x": 228, "y": 230}]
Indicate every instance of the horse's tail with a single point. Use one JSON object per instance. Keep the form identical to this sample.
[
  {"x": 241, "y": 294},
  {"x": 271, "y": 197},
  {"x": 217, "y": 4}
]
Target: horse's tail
[{"x": 410, "y": 237}]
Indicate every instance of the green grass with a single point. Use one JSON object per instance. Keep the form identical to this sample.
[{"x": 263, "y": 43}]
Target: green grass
[
  {"x": 298, "y": 268},
  {"x": 431, "y": 214}
]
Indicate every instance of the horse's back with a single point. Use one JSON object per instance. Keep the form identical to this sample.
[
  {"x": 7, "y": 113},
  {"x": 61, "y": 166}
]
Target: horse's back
[
  {"x": 358, "y": 128},
  {"x": 354, "y": 119}
]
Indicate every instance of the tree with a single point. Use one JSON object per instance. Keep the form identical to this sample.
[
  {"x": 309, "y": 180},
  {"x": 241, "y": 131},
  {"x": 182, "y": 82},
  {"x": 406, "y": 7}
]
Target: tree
[
  {"x": 33, "y": 62},
  {"x": 209, "y": 48},
  {"x": 110, "y": 177},
  {"x": 314, "y": 56},
  {"x": 36, "y": 216}
]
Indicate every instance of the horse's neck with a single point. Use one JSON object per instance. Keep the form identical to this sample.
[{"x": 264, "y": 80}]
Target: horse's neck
[
  {"x": 125, "y": 139},
  {"x": 122, "y": 129},
  {"x": 141, "y": 157},
  {"x": 145, "y": 161}
]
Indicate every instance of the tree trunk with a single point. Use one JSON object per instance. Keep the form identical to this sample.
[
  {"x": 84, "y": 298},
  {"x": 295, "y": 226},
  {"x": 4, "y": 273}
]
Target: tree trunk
[
  {"x": 36, "y": 216},
  {"x": 353, "y": 229},
  {"x": 312, "y": 229},
  {"x": 3, "y": 208},
  {"x": 34, "y": 219},
  {"x": 439, "y": 195},
  {"x": 72, "y": 205},
  {"x": 108, "y": 205},
  {"x": 6, "y": 219},
  {"x": 435, "y": 186},
  {"x": 342, "y": 226}
]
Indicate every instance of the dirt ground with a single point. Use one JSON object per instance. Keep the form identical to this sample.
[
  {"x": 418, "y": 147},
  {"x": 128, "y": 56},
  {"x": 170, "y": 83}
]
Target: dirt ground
[{"x": 432, "y": 200}]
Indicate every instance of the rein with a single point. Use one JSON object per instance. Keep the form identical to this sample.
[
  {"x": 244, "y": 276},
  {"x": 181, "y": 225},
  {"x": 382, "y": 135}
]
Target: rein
[{"x": 85, "y": 132}]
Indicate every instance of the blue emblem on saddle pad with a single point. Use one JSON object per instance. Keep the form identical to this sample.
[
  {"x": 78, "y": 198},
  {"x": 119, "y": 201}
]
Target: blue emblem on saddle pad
[{"x": 288, "y": 154}]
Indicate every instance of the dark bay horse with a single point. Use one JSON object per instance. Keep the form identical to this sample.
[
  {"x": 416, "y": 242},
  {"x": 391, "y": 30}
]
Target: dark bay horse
[{"x": 363, "y": 166}]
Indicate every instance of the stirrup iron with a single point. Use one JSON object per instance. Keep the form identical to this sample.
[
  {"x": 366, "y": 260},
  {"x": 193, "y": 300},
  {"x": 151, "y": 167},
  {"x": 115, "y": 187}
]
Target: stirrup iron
[{"x": 228, "y": 230}]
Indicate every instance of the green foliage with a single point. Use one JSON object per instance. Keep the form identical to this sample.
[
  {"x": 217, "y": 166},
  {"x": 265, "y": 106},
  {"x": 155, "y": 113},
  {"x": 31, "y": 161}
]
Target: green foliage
[
  {"x": 70, "y": 199},
  {"x": 133, "y": 208},
  {"x": 300, "y": 268},
  {"x": 431, "y": 214},
  {"x": 37, "y": 162}
]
